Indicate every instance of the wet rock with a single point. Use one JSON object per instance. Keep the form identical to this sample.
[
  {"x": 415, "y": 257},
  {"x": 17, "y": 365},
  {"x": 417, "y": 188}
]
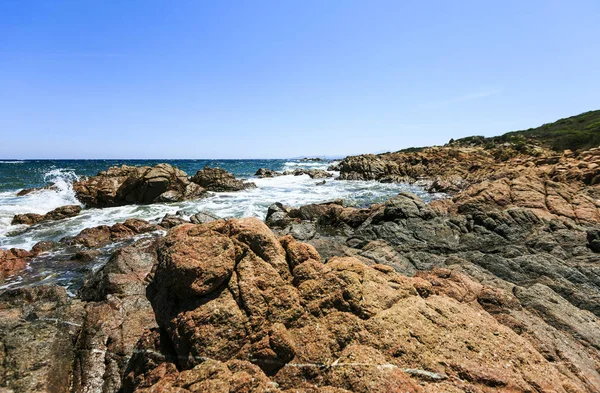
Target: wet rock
[
  {"x": 217, "y": 179},
  {"x": 265, "y": 172},
  {"x": 27, "y": 191},
  {"x": 203, "y": 218},
  {"x": 102, "y": 235},
  {"x": 172, "y": 220},
  {"x": 57, "y": 214},
  {"x": 312, "y": 173},
  {"x": 125, "y": 185},
  {"x": 323, "y": 182},
  {"x": 44, "y": 246}
]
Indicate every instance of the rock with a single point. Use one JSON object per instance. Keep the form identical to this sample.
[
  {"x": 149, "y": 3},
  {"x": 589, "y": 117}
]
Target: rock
[
  {"x": 217, "y": 179},
  {"x": 27, "y": 191},
  {"x": 203, "y": 218},
  {"x": 117, "y": 313},
  {"x": 265, "y": 172},
  {"x": 312, "y": 173},
  {"x": 230, "y": 290},
  {"x": 12, "y": 261},
  {"x": 27, "y": 219},
  {"x": 125, "y": 185},
  {"x": 38, "y": 327},
  {"x": 593, "y": 239},
  {"x": 320, "y": 183},
  {"x": 312, "y": 159},
  {"x": 103, "y": 234},
  {"x": 44, "y": 246},
  {"x": 172, "y": 220},
  {"x": 56, "y": 214}
]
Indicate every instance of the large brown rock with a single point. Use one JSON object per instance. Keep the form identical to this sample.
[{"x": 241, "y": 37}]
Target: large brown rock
[
  {"x": 320, "y": 327},
  {"x": 57, "y": 214},
  {"x": 217, "y": 179},
  {"x": 128, "y": 185}
]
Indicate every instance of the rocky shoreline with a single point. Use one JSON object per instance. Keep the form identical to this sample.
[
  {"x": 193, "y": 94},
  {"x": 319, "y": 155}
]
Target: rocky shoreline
[{"x": 493, "y": 289}]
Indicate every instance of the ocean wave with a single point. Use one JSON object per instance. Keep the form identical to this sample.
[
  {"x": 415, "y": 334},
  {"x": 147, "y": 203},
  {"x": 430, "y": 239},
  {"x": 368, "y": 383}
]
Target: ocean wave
[
  {"x": 40, "y": 202},
  {"x": 12, "y": 162}
]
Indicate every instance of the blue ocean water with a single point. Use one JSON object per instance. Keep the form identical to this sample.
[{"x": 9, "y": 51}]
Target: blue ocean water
[{"x": 19, "y": 174}]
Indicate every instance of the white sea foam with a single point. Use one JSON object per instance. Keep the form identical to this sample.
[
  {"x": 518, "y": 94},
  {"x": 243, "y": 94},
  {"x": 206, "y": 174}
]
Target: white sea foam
[
  {"x": 289, "y": 190},
  {"x": 12, "y": 162},
  {"x": 39, "y": 202},
  {"x": 291, "y": 165}
]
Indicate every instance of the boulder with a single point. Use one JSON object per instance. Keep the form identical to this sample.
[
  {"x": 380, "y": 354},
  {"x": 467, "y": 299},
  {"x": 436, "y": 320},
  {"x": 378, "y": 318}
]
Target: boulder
[
  {"x": 217, "y": 179},
  {"x": 125, "y": 185},
  {"x": 12, "y": 261},
  {"x": 265, "y": 172},
  {"x": 27, "y": 191},
  {"x": 103, "y": 234},
  {"x": 57, "y": 214}
]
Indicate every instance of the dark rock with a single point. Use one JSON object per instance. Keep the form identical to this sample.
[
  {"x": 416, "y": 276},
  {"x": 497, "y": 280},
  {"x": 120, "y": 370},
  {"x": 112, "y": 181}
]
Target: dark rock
[
  {"x": 265, "y": 172},
  {"x": 38, "y": 328},
  {"x": 203, "y": 218},
  {"x": 129, "y": 185},
  {"x": 27, "y": 191},
  {"x": 44, "y": 246},
  {"x": 172, "y": 220},
  {"x": 217, "y": 179}
]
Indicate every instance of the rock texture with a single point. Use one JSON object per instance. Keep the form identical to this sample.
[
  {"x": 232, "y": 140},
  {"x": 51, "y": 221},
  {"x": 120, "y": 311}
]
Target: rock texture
[
  {"x": 265, "y": 172},
  {"x": 50, "y": 342},
  {"x": 102, "y": 235},
  {"x": 545, "y": 263},
  {"x": 57, "y": 214},
  {"x": 240, "y": 310},
  {"x": 38, "y": 327},
  {"x": 217, "y": 179},
  {"x": 13, "y": 260},
  {"x": 128, "y": 185},
  {"x": 561, "y": 184}
]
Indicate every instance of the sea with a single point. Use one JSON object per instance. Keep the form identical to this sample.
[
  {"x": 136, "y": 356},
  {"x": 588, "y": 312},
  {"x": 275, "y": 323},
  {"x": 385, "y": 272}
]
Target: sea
[{"x": 57, "y": 267}]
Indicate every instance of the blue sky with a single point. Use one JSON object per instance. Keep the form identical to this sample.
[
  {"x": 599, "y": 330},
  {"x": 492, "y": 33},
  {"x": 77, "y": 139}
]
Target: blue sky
[{"x": 282, "y": 78}]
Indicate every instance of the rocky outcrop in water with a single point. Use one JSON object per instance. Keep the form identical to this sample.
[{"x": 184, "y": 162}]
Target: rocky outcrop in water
[
  {"x": 102, "y": 235},
  {"x": 217, "y": 179},
  {"x": 265, "y": 172},
  {"x": 128, "y": 185},
  {"x": 57, "y": 214},
  {"x": 27, "y": 191}
]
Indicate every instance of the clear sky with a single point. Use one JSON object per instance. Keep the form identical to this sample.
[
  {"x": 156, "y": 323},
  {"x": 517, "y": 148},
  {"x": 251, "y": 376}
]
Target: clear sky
[{"x": 282, "y": 78}]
